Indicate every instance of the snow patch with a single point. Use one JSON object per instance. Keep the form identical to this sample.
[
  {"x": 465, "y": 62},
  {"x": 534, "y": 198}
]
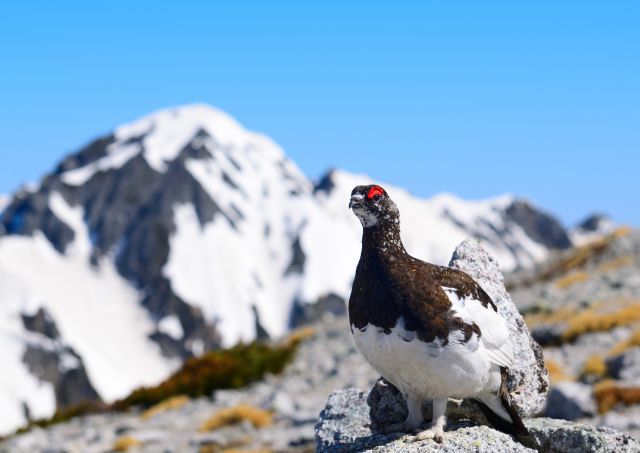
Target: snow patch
[
  {"x": 172, "y": 326},
  {"x": 581, "y": 236},
  {"x": 96, "y": 312},
  {"x": 68, "y": 362},
  {"x": 17, "y": 384},
  {"x": 162, "y": 135},
  {"x": 73, "y": 216},
  {"x": 167, "y": 132},
  {"x": 240, "y": 259},
  {"x": 117, "y": 155}
]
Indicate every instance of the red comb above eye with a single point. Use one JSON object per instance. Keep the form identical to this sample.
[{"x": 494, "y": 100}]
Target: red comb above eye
[{"x": 375, "y": 190}]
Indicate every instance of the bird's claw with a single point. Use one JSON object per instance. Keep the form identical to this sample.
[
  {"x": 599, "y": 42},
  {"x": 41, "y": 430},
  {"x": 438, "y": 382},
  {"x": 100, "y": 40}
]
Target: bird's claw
[{"x": 429, "y": 434}]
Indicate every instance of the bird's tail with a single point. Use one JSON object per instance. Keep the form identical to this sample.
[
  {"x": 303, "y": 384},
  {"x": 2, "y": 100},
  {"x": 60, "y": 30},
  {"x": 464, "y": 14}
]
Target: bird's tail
[{"x": 501, "y": 411}]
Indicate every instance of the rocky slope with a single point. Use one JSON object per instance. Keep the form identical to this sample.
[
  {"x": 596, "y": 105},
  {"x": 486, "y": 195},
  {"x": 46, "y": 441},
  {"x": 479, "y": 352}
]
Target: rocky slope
[
  {"x": 183, "y": 231},
  {"x": 584, "y": 308},
  {"x": 326, "y": 361}
]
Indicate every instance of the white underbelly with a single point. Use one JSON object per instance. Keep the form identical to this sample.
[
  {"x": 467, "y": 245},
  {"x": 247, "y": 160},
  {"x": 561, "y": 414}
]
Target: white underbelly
[{"x": 427, "y": 369}]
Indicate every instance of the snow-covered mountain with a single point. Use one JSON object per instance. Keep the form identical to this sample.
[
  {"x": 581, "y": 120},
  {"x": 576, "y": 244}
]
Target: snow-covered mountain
[
  {"x": 183, "y": 231},
  {"x": 593, "y": 227}
]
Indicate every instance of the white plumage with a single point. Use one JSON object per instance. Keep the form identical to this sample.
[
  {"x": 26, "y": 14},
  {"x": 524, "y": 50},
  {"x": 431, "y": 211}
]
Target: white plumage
[{"x": 495, "y": 332}]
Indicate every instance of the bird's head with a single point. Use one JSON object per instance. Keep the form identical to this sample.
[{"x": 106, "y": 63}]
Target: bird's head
[{"x": 371, "y": 205}]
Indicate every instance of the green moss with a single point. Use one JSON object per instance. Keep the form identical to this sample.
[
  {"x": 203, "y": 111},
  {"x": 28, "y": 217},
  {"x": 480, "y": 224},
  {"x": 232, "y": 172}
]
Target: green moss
[{"x": 227, "y": 369}]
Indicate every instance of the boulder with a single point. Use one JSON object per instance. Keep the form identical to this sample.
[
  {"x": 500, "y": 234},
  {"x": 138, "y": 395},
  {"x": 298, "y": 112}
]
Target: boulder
[
  {"x": 387, "y": 406},
  {"x": 528, "y": 380},
  {"x": 343, "y": 421},
  {"x": 565, "y": 436},
  {"x": 625, "y": 366},
  {"x": 570, "y": 401},
  {"x": 345, "y": 427}
]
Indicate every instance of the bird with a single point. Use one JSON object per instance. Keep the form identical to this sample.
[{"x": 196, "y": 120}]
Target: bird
[{"x": 429, "y": 330}]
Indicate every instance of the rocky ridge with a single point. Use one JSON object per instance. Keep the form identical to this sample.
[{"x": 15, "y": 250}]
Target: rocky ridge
[{"x": 585, "y": 311}]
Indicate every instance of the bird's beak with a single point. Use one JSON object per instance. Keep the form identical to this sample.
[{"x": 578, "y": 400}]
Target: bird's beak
[{"x": 355, "y": 200}]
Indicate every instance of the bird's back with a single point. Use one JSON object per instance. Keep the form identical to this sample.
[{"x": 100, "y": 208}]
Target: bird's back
[{"x": 405, "y": 287}]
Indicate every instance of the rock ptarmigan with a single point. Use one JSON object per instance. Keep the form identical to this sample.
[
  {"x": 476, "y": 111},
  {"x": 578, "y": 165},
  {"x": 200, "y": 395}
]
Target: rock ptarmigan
[{"x": 431, "y": 331}]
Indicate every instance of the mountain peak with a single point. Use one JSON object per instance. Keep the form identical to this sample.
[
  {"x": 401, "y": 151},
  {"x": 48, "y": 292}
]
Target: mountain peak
[
  {"x": 166, "y": 131},
  {"x": 160, "y": 137}
]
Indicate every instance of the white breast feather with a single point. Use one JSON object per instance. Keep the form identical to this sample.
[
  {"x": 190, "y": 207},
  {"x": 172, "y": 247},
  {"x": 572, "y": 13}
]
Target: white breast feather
[{"x": 493, "y": 328}]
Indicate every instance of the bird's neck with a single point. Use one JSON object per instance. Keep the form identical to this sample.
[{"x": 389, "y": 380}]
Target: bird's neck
[{"x": 383, "y": 240}]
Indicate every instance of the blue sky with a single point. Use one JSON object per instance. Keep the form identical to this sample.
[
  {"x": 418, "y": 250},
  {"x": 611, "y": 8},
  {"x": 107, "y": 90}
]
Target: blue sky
[{"x": 536, "y": 98}]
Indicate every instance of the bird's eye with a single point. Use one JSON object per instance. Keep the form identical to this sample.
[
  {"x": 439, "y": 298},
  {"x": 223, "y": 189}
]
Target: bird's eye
[{"x": 375, "y": 193}]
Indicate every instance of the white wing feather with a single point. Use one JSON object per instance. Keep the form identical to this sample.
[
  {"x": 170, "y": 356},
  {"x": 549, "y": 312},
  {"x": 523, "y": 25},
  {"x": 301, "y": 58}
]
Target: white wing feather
[{"x": 493, "y": 328}]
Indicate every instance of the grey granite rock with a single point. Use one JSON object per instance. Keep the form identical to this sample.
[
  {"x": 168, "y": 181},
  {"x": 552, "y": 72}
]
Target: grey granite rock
[
  {"x": 344, "y": 426},
  {"x": 387, "y": 406},
  {"x": 528, "y": 378},
  {"x": 344, "y": 419},
  {"x": 568, "y": 437},
  {"x": 570, "y": 401},
  {"x": 624, "y": 418},
  {"x": 625, "y": 366}
]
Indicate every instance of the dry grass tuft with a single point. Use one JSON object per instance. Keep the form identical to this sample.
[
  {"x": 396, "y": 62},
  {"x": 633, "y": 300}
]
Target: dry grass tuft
[
  {"x": 600, "y": 316},
  {"x": 608, "y": 395},
  {"x": 622, "y": 231},
  {"x": 556, "y": 372},
  {"x": 125, "y": 443},
  {"x": 595, "y": 320},
  {"x": 236, "y": 444},
  {"x": 259, "y": 418},
  {"x": 571, "y": 279},
  {"x": 174, "y": 402},
  {"x": 616, "y": 263},
  {"x": 595, "y": 366},
  {"x": 632, "y": 341},
  {"x": 299, "y": 335},
  {"x": 574, "y": 259},
  {"x": 561, "y": 315}
]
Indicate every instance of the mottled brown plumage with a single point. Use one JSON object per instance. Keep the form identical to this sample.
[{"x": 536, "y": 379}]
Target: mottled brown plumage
[{"x": 390, "y": 283}]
